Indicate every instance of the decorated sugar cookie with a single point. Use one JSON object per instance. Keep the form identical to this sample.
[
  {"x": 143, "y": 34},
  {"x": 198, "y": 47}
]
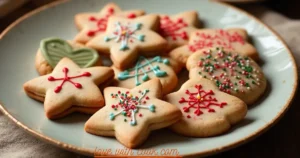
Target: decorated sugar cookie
[
  {"x": 125, "y": 38},
  {"x": 176, "y": 29},
  {"x": 232, "y": 73},
  {"x": 131, "y": 114},
  {"x": 52, "y": 50},
  {"x": 69, "y": 88},
  {"x": 206, "y": 110},
  {"x": 93, "y": 24},
  {"x": 231, "y": 39},
  {"x": 146, "y": 69}
]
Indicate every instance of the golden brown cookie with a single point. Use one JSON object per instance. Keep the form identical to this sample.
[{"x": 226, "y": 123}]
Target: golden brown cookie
[
  {"x": 235, "y": 39},
  {"x": 232, "y": 73},
  {"x": 52, "y": 50},
  {"x": 131, "y": 114},
  {"x": 146, "y": 69},
  {"x": 206, "y": 110},
  {"x": 93, "y": 24},
  {"x": 125, "y": 39},
  {"x": 69, "y": 88}
]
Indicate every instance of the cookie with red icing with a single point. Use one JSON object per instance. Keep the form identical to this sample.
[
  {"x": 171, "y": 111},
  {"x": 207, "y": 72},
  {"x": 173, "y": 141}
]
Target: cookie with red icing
[
  {"x": 231, "y": 72},
  {"x": 206, "y": 110},
  {"x": 126, "y": 39},
  {"x": 69, "y": 88},
  {"x": 146, "y": 69},
  {"x": 176, "y": 29},
  {"x": 235, "y": 39},
  {"x": 131, "y": 114},
  {"x": 93, "y": 24}
]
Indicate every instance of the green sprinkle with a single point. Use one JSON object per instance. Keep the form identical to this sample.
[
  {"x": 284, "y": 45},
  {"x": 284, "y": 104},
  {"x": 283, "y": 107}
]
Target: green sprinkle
[
  {"x": 247, "y": 85},
  {"x": 204, "y": 76},
  {"x": 200, "y": 73},
  {"x": 253, "y": 82},
  {"x": 224, "y": 69},
  {"x": 248, "y": 68},
  {"x": 235, "y": 84},
  {"x": 125, "y": 120}
]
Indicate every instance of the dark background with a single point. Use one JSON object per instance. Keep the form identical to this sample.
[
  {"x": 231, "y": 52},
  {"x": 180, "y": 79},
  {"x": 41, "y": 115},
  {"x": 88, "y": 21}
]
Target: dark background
[{"x": 282, "y": 140}]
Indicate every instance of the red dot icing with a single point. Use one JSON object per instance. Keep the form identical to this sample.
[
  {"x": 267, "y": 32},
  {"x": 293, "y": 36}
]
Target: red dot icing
[
  {"x": 67, "y": 78},
  {"x": 200, "y": 100}
]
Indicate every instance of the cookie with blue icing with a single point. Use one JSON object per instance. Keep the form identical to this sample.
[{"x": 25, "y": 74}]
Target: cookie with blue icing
[{"x": 146, "y": 69}]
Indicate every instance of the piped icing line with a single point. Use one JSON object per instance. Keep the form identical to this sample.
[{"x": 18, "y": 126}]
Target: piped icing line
[
  {"x": 139, "y": 69},
  {"x": 67, "y": 78},
  {"x": 198, "y": 100},
  {"x": 130, "y": 105},
  {"x": 125, "y": 34}
]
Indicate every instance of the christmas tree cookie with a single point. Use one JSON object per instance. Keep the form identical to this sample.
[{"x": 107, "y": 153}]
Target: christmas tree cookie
[
  {"x": 125, "y": 39},
  {"x": 232, "y": 39},
  {"x": 131, "y": 114},
  {"x": 206, "y": 110},
  {"x": 69, "y": 88},
  {"x": 93, "y": 24},
  {"x": 231, "y": 72}
]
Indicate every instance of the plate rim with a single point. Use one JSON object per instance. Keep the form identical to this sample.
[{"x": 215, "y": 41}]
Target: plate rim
[{"x": 85, "y": 151}]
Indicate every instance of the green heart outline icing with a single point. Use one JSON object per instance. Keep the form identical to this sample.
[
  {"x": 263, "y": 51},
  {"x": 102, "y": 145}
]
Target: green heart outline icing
[{"x": 54, "y": 49}]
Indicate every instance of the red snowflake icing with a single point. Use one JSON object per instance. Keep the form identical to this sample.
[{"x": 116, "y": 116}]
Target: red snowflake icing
[
  {"x": 102, "y": 22},
  {"x": 222, "y": 38},
  {"x": 67, "y": 78},
  {"x": 169, "y": 28},
  {"x": 200, "y": 100}
]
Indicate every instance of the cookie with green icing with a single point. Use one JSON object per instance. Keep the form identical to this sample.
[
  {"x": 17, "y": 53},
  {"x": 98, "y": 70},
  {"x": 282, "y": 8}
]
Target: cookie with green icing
[
  {"x": 52, "y": 50},
  {"x": 232, "y": 73},
  {"x": 146, "y": 69}
]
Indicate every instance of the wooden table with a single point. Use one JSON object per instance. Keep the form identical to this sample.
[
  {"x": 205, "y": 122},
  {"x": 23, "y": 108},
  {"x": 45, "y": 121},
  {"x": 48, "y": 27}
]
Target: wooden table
[{"x": 282, "y": 140}]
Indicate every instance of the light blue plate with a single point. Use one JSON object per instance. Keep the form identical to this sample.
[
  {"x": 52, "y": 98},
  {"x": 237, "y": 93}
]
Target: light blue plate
[{"x": 19, "y": 44}]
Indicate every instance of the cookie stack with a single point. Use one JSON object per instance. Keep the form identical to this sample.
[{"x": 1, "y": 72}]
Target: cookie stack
[{"x": 147, "y": 53}]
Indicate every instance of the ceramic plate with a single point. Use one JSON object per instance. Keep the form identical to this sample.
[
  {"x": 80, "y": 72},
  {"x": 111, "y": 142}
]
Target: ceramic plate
[{"x": 20, "y": 42}]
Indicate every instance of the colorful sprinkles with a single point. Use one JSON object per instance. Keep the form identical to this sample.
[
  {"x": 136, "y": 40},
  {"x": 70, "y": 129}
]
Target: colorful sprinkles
[
  {"x": 231, "y": 72},
  {"x": 130, "y": 105}
]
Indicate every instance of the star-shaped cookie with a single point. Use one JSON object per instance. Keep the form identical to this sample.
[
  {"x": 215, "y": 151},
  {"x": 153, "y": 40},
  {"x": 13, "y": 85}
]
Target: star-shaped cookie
[
  {"x": 232, "y": 39},
  {"x": 92, "y": 24},
  {"x": 69, "y": 88},
  {"x": 176, "y": 29},
  {"x": 206, "y": 110},
  {"x": 125, "y": 38},
  {"x": 131, "y": 114}
]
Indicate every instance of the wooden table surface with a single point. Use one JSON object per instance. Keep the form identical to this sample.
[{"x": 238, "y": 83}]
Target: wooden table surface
[{"x": 282, "y": 140}]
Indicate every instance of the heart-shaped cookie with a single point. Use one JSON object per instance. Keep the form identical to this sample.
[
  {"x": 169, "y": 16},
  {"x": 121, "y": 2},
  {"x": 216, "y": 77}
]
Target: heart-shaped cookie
[{"x": 54, "y": 49}]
